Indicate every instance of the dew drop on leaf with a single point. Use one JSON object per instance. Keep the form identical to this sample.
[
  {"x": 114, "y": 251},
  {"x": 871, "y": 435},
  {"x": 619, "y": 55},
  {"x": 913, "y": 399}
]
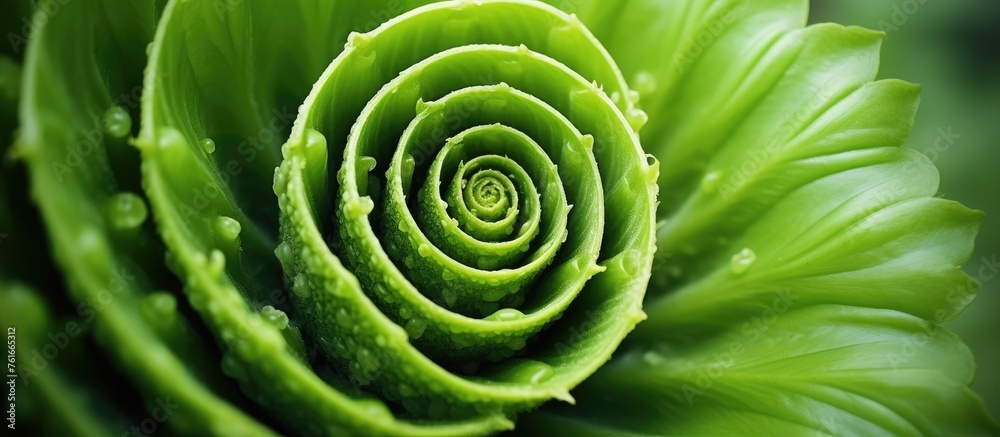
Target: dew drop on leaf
[
  {"x": 506, "y": 315},
  {"x": 742, "y": 261},
  {"x": 405, "y": 390},
  {"x": 160, "y": 308},
  {"x": 645, "y": 83},
  {"x": 216, "y": 262},
  {"x": 358, "y": 207},
  {"x": 637, "y": 118},
  {"x": 126, "y": 211},
  {"x": 284, "y": 253},
  {"x": 531, "y": 371},
  {"x": 415, "y": 328},
  {"x": 449, "y": 297},
  {"x": 374, "y": 409},
  {"x": 653, "y": 358},
  {"x": 344, "y": 318},
  {"x": 275, "y": 317},
  {"x": 425, "y": 250},
  {"x": 516, "y": 344},
  {"x": 494, "y": 294},
  {"x": 117, "y": 122},
  {"x": 228, "y": 228},
  {"x": 710, "y": 183},
  {"x": 208, "y": 144}
]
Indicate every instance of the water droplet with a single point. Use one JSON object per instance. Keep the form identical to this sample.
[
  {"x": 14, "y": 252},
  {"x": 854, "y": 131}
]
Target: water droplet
[
  {"x": 386, "y": 295},
  {"x": 415, "y": 328},
  {"x": 449, "y": 297},
  {"x": 374, "y": 409},
  {"x": 653, "y": 358},
  {"x": 510, "y": 68},
  {"x": 515, "y": 344},
  {"x": 494, "y": 294},
  {"x": 448, "y": 275},
  {"x": 506, "y": 315},
  {"x": 229, "y": 228},
  {"x": 710, "y": 182},
  {"x": 160, "y": 308},
  {"x": 117, "y": 122},
  {"x": 633, "y": 96},
  {"x": 462, "y": 341},
  {"x": 358, "y": 207},
  {"x": 531, "y": 371},
  {"x": 369, "y": 363},
  {"x": 406, "y": 391},
  {"x": 487, "y": 263},
  {"x": 126, "y": 211},
  {"x": 355, "y": 368},
  {"x": 284, "y": 254},
  {"x": 208, "y": 144},
  {"x": 405, "y": 312},
  {"x": 275, "y": 317},
  {"x": 344, "y": 318},
  {"x": 645, "y": 83},
  {"x": 216, "y": 262},
  {"x": 301, "y": 287},
  {"x": 742, "y": 261},
  {"x": 425, "y": 250},
  {"x": 637, "y": 118}
]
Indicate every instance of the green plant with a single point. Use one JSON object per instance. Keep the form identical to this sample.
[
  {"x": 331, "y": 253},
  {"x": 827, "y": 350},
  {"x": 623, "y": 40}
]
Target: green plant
[{"x": 460, "y": 223}]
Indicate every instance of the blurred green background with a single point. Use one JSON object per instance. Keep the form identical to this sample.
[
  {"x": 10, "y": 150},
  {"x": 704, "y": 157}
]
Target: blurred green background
[{"x": 951, "y": 48}]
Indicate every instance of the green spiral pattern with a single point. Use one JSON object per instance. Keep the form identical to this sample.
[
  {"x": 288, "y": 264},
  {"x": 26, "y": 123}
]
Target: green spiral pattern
[
  {"x": 429, "y": 265},
  {"x": 449, "y": 222},
  {"x": 461, "y": 228}
]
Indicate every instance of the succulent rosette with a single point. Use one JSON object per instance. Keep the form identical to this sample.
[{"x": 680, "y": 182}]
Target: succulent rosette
[{"x": 431, "y": 218}]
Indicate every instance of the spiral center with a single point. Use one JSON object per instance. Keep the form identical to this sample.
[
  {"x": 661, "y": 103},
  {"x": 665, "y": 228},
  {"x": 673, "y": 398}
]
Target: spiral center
[{"x": 488, "y": 194}]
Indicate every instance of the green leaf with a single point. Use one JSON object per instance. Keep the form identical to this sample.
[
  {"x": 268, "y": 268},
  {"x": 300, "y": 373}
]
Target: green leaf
[
  {"x": 784, "y": 187},
  {"x": 791, "y": 370},
  {"x": 75, "y": 406},
  {"x": 81, "y": 82}
]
